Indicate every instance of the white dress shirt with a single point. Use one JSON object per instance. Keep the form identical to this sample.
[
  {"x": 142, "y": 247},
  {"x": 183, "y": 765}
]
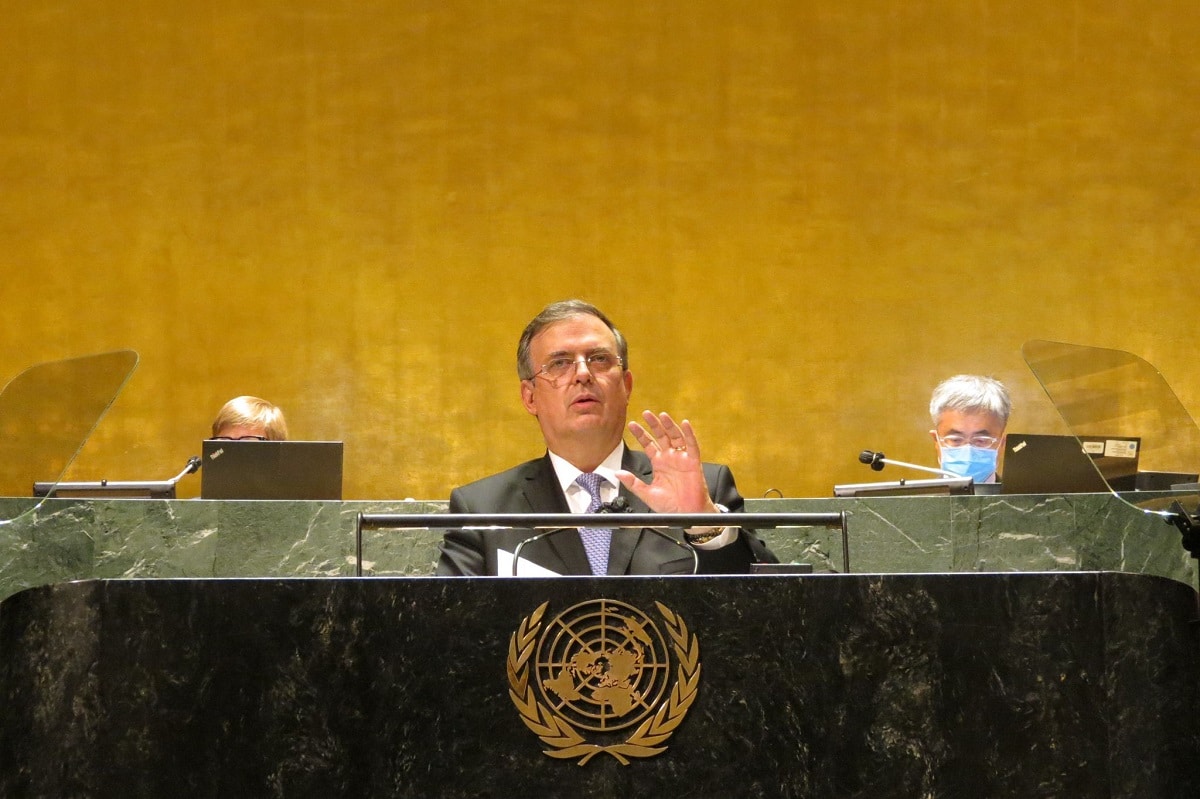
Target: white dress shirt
[{"x": 578, "y": 498}]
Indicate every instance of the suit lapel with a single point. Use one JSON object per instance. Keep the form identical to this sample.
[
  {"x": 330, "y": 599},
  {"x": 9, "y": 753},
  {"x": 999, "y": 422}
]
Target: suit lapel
[
  {"x": 625, "y": 541},
  {"x": 544, "y": 495}
]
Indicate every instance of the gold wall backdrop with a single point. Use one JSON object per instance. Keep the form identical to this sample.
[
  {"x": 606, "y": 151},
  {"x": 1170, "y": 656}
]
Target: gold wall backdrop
[{"x": 803, "y": 214}]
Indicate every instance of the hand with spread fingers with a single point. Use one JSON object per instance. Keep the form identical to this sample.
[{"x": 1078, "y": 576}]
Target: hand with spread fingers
[{"x": 678, "y": 484}]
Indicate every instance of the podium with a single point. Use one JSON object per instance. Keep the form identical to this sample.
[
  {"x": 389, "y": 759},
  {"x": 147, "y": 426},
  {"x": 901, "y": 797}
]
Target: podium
[{"x": 1080, "y": 684}]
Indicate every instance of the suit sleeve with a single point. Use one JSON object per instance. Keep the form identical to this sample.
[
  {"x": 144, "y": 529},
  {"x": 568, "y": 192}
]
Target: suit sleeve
[
  {"x": 462, "y": 550},
  {"x": 747, "y": 548}
]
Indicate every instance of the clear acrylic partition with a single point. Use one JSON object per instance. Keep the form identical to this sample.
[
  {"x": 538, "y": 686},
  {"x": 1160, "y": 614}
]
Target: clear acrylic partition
[
  {"x": 47, "y": 413},
  {"x": 1103, "y": 392}
]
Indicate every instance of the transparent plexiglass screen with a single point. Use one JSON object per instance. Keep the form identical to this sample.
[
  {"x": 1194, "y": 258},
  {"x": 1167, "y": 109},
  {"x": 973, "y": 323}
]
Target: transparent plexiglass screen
[
  {"x": 47, "y": 413},
  {"x": 1104, "y": 392}
]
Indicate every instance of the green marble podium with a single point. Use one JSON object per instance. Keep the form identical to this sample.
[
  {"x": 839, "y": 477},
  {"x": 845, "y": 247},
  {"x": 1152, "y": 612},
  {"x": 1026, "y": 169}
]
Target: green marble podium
[{"x": 76, "y": 539}]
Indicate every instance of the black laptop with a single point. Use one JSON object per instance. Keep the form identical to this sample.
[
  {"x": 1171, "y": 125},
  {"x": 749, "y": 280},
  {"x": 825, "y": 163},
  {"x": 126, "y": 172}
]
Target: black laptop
[
  {"x": 271, "y": 470},
  {"x": 1057, "y": 464}
]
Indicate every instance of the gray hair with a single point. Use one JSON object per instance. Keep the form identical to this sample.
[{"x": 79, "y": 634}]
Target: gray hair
[
  {"x": 970, "y": 393},
  {"x": 558, "y": 312}
]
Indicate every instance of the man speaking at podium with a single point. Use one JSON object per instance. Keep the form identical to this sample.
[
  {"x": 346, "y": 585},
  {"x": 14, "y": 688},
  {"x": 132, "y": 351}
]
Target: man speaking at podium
[{"x": 573, "y": 364}]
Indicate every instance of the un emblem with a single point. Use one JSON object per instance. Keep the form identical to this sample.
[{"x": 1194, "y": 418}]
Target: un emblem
[{"x": 597, "y": 670}]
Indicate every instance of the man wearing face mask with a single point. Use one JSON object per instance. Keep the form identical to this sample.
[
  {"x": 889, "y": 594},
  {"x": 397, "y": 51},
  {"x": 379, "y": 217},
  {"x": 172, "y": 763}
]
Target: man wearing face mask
[{"x": 969, "y": 415}]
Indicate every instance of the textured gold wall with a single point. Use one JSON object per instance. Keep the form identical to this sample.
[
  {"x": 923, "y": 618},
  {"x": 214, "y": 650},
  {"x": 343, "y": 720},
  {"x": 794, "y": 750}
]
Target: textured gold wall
[{"x": 803, "y": 214}]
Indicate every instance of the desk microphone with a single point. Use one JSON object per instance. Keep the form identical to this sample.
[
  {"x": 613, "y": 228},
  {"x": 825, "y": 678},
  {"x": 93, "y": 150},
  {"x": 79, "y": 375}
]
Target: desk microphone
[
  {"x": 876, "y": 461},
  {"x": 618, "y": 505},
  {"x": 193, "y": 465}
]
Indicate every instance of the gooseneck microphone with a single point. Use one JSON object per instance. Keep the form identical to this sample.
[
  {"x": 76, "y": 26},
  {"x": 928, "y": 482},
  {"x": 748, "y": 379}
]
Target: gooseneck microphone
[
  {"x": 876, "y": 461},
  {"x": 193, "y": 465}
]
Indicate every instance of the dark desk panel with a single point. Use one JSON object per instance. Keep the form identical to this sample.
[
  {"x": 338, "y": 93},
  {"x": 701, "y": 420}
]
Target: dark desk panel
[{"x": 1071, "y": 684}]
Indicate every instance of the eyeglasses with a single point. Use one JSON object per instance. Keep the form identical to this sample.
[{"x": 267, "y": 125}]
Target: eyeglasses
[
  {"x": 956, "y": 440},
  {"x": 239, "y": 438},
  {"x": 598, "y": 363}
]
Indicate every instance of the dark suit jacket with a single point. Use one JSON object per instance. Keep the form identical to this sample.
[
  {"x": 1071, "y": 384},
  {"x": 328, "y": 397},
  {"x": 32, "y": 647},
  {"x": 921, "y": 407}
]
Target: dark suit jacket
[{"x": 533, "y": 487}]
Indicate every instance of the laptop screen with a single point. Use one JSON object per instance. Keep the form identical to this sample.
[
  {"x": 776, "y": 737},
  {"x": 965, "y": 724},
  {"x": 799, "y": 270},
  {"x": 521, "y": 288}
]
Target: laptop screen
[
  {"x": 1064, "y": 464},
  {"x": 271, "y": 470}
]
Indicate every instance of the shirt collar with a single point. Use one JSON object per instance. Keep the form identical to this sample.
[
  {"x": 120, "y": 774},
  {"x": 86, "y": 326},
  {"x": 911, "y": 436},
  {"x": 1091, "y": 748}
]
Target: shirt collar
[{"x": 567, "y": 472}]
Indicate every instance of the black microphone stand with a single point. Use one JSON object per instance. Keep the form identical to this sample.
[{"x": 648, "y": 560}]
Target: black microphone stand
[{"x": 1188, "y": 525}]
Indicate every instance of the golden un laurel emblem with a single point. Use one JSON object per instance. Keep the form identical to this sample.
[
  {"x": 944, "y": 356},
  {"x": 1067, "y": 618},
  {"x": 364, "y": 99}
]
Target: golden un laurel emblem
[{"x": 600, "y": 678}]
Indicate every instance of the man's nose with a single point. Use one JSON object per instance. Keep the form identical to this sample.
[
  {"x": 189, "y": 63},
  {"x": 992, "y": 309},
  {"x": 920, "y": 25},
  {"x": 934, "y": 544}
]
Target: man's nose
[{"x": 586, "y": 374}]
